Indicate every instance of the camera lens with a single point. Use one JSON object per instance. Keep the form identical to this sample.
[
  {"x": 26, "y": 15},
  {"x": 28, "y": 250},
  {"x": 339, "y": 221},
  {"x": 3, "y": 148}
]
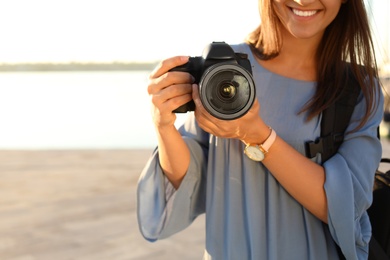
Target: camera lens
[{"x": 227, "y": 91}]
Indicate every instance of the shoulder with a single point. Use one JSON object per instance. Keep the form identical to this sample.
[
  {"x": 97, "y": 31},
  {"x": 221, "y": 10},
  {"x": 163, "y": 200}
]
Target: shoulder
[{"x": 241, "y": 47}]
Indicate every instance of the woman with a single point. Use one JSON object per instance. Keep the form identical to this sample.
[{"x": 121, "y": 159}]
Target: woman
[{"x": 286, "y": 206}]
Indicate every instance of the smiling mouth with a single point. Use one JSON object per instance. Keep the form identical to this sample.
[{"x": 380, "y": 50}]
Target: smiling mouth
[{"x": 304, "y": 13}]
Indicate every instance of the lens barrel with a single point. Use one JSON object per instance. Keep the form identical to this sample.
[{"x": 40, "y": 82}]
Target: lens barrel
[{"x": 227, "y": 90}]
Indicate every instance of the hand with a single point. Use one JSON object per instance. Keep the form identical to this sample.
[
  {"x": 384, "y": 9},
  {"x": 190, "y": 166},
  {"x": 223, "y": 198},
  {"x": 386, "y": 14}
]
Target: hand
[
  {"x": 249, "y": 128},
  {"x": 168, "y": 90}
]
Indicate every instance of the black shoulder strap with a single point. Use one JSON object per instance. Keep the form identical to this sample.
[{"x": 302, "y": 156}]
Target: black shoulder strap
[{"x": 334, "y": 122}]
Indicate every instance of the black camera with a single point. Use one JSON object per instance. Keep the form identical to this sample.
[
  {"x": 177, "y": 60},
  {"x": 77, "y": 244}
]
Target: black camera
[{"x": 226, "y": 86}]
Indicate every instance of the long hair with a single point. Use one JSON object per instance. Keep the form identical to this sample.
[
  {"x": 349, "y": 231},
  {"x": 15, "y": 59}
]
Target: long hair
[{"x": 346, "y": 40}]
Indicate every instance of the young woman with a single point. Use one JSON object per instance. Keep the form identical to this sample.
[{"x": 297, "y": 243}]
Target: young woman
[{"x": 285, "y": 206}]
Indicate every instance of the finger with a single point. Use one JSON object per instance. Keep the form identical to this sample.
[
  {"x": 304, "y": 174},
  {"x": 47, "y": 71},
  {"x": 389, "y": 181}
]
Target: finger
[
  {"x": 174, "y": 91},
  {"x": 195, "y": 96},
  {"x": 169, "y": 105},
  {"x": 167, "y": 65},
  {"x": 175, "y": 103},
  {"x": 205, "y": 123},
  {"x": 205, "y": 120},
  {"x": 198, "y": 103},
  {"x": 168, "y": 79}
]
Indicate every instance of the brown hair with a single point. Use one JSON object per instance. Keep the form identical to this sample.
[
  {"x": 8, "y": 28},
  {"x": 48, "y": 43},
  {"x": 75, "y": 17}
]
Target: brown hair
[{"x": 346, "y": 39}]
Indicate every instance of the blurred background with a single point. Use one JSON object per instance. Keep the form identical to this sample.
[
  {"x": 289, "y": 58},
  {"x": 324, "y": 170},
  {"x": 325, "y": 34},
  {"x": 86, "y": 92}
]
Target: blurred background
[
  {"x": 75, "y": 127},
  {"x": 74, "y": 72}
]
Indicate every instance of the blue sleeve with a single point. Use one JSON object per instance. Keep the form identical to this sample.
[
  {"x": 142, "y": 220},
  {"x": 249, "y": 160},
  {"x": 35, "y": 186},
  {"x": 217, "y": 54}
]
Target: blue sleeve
[
  {"x": 349, "y": 183},
  {"x": 163, "y": 211}
]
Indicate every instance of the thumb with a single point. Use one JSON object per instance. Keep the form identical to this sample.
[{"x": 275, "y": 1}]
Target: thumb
[{"x": 195, "y": 95}]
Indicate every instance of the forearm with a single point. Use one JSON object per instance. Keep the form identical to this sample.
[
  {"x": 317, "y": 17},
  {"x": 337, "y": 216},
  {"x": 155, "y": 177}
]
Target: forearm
[
  {"x": 301, "y": 177},
  {"x": 174, "y": 155}
]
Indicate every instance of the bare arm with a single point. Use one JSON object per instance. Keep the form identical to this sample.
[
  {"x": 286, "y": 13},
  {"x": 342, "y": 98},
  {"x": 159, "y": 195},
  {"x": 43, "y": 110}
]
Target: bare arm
[
  {"x": 301, "y": 177},
  {"x": 174, "y": 155},
  {"x": 168, "y": 91}
]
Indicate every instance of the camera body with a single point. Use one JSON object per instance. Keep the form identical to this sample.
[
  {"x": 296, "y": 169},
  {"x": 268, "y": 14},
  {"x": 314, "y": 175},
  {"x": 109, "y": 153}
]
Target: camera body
[{"x": 224, "y": 77}]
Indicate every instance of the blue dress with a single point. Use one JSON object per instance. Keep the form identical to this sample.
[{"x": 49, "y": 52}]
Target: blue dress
[{"x": 249, "y": 215}]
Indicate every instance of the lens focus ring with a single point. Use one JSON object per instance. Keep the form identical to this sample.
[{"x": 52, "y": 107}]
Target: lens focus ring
[{"x": 227, "y": 91}]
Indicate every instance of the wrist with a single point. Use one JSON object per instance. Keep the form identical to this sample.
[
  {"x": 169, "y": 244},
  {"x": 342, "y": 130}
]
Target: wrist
[
  {"x": 256, "y": 151},
  {"x": 259, "y": 134},
  {"x": 165, "y": 129}
]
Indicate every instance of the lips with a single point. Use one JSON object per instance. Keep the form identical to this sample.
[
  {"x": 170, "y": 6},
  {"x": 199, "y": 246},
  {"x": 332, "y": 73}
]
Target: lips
[{"x": 304, "y": 13}]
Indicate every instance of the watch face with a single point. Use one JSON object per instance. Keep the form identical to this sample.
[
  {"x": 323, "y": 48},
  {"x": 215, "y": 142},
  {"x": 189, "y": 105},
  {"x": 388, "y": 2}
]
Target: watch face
[{"x": 254, "y": 153}]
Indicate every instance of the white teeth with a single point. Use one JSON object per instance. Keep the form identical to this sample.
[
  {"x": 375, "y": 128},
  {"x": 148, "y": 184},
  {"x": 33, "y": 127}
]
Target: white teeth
[{"x": 303, "y": 13}]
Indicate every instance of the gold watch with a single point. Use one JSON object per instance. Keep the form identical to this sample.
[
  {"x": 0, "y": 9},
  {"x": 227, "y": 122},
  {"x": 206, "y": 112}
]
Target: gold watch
[{"x": 257, "y": 152}]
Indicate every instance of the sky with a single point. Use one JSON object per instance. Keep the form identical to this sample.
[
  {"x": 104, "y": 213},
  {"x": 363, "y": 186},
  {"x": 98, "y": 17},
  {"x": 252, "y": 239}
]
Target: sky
[
  {"x": 380, "y": 24},
  {"x": 118, "y": 30},
  {"x": 129, "y": 30}
]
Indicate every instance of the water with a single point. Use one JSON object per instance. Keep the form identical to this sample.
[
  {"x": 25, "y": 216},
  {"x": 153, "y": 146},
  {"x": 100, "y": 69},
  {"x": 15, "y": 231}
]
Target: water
[{"x": 75, "y": 110}]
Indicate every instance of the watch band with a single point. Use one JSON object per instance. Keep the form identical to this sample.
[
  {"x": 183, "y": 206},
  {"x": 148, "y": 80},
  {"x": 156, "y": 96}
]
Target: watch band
[
  {"x": 257, "y": 152},
  {"x": 269, "y": 142}
]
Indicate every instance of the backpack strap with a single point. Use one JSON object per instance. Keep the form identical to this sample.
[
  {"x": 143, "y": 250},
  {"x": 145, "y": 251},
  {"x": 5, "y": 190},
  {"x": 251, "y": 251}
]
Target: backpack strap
[{"x": 334, "y": 122}]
